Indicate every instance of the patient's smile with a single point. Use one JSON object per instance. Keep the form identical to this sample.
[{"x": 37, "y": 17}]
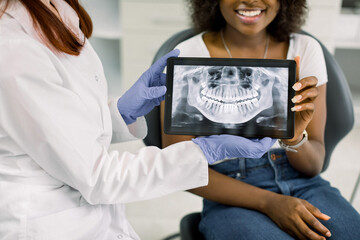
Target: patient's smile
[
  {"x": 249, "y": 16},
  {"x": 249, "y": 13}
]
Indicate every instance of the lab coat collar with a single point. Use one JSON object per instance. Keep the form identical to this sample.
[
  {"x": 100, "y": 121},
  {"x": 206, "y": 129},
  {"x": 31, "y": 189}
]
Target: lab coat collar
[
  {"x": 18, "y": 11},
  {"x": 68, "y": 15}
]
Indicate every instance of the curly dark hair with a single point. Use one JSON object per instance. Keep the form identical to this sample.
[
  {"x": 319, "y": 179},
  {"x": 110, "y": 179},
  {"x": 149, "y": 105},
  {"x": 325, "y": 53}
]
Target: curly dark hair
[{"x": 206, "y": 16}]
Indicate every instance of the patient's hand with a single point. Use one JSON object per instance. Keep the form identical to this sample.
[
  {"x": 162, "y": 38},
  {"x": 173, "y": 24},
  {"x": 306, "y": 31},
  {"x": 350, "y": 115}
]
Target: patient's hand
[
  {"x": 297, "y": 217},
  {"x": 306, "y": 94}
]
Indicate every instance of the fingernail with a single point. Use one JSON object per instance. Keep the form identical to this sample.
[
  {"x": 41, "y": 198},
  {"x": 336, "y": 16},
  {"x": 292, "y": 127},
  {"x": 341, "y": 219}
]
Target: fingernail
[
  {"x": 297, "y": 86},
  {"x": 295, "y": 108},
  {"x": 296, "y": 98},
  {"x": 328, "y": 234}
]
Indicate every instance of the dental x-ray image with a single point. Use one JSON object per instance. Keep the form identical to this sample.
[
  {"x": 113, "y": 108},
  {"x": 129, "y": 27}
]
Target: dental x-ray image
[{"x": 243, "y": 97}]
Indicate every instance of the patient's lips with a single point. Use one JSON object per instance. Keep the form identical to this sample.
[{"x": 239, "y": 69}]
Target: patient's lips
[{"x": 231, "y": 94}]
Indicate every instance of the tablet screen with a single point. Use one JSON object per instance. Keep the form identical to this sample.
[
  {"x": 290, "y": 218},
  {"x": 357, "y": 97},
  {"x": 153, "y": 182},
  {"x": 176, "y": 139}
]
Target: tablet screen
[{"x": 246, "y": 97}]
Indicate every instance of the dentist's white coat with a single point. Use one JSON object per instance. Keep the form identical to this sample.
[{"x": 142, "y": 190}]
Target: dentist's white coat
[{"x": 57, "y": 178}]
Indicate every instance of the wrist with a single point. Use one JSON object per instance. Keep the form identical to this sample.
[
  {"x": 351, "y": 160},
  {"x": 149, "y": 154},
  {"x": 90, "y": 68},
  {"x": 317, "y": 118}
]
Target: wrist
[
  {"x": 121, "y": 106},
  {"x": 266, "y": 202},
  {"x": 291, "y": 142},
  {"x": 291, "y": 146},
  {"x": 127, "y": 119}
]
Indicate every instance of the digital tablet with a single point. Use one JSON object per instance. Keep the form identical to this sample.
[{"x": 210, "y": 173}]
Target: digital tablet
[{"x": 246, "y": 97}]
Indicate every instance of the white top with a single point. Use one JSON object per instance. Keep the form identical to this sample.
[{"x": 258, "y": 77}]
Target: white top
[
  {"x": 312, "y": 62},
  {"x": 57, "y": 178}
]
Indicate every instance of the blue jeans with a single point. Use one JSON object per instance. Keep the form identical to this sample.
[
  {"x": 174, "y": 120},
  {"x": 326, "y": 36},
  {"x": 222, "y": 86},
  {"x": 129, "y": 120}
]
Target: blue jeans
[{"x": 273, "y": 172}]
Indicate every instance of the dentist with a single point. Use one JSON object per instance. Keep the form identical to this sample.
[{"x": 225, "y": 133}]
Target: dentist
[{"x": 57, "y": 178}]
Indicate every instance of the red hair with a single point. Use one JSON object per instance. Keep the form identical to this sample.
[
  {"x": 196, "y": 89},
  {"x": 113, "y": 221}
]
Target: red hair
[{"x": 55, "y": 32}]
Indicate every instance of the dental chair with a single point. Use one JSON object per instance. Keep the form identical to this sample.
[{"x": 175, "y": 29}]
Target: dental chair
[{"x": 340, "y": 119}]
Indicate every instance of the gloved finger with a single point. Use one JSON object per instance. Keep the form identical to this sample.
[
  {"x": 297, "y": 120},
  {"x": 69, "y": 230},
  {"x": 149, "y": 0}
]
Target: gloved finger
[
  {"x": 160, "y": 64},
  {"x": 154, "y": 92},
  {"x": 162, "y": 98},
  {"x": 260, "y": 147},
  {"x": 162, "y": 79},
  {"x": 231, "y": 138},
  {"x": 207, "y": 149},
  {"x": 254, "y": 139},
  {"x": 240, "y": 138},
  {"x": 223, "y": 136},
  {"x": 267, "y": 142}
]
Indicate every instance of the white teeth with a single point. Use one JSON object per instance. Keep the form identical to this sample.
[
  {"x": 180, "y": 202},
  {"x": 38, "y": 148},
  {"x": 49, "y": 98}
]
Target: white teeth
[
  {"x": 226, "y": 96},
  {"x": 221, "y": 108},
  {"x": 256, "y": 87},
  {"x": 203, "y": 92},
  {"x": 242, "y": 92},
  {"x": 252, "y": 13},
  {"x": 248, "y": 94},
  {"x": 217, "y": 92},
  {"x": 254, "y": 93},
  {"x": 228, "y": 108}
]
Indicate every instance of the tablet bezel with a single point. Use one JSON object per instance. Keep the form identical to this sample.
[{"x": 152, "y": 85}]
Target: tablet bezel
[{"x": 262, "y": 132}]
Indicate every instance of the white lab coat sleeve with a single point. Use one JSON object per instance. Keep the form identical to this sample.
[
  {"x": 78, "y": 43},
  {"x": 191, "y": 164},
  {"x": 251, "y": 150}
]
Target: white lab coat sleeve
[
  {"x": 123, "y": 132},
  {"x": 58, "y": 130}
]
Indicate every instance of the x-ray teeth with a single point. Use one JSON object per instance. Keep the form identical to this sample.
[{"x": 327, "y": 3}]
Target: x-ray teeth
[{"x": 229, "y": 94}]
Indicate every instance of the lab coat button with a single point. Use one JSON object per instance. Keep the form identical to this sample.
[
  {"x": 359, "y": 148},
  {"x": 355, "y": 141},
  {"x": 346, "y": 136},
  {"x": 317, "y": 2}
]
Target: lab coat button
[
  {"x": 119, "y": 236},
  {"x": 96, "y": 78}
]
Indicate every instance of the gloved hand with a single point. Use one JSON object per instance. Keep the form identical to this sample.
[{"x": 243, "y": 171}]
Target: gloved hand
[
  {"x": 218, "y": 147},
  {"x": 147, "y": 92}
]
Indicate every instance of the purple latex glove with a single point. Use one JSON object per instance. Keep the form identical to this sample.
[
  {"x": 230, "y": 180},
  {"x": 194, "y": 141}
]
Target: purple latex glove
[
  {"x": 218, "y": 147},
  {"x": 148, "y": 91}
]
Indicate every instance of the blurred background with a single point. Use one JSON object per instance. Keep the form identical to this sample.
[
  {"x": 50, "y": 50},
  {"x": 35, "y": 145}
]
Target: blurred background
[{"x": 127, "y": 34}]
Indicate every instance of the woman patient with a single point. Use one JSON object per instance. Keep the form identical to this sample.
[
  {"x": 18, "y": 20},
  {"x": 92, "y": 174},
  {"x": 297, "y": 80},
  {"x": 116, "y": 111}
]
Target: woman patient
[{"x": 280, "y": 195}]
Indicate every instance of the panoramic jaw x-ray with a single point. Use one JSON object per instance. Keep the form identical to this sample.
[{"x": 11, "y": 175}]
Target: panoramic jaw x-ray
[
  {"x": 246, "y": 99},
  {"x": 230, "y": 94}
]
